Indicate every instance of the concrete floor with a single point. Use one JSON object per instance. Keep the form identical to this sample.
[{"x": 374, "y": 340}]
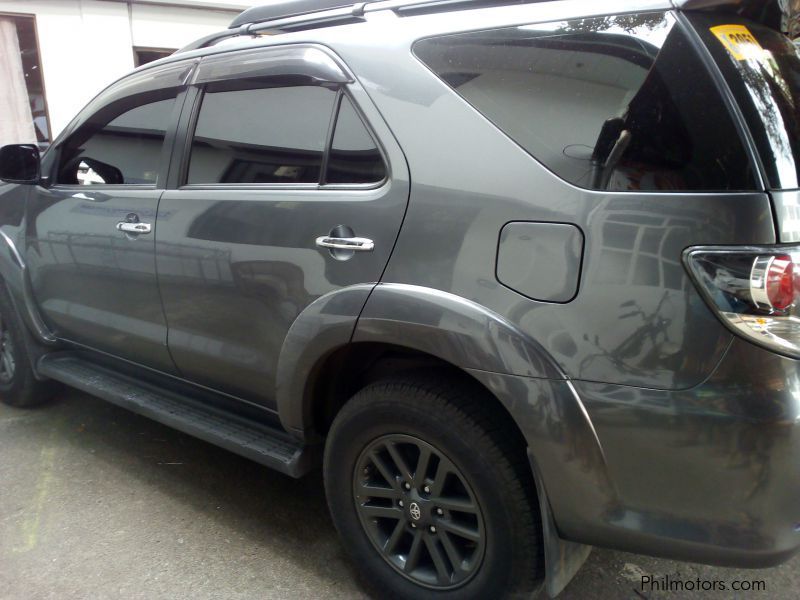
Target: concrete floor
[{"x": 96, "y": 502}]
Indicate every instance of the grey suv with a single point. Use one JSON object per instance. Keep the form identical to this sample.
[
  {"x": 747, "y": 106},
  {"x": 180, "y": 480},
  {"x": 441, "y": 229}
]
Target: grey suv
[{"x": 520, "y": 277}]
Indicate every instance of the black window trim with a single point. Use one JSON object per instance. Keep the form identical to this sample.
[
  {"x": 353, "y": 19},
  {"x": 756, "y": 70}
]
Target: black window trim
[
  {"x": 745, "y": 135},
  {"x": 341, "y": 92}
]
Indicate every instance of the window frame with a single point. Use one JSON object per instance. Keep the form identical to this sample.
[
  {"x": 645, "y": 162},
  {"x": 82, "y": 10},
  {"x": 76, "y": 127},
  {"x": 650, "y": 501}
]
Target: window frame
[{"x": 341, "y": 92}]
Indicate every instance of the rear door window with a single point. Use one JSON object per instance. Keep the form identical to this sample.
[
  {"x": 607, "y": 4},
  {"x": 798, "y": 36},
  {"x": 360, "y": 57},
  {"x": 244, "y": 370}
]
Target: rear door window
[
  {"x": 762, "y": 69},
  {"x": 618, "y": 103},
  {"x": 354, "y": 156},
  {"x": 260, "y": 135}
]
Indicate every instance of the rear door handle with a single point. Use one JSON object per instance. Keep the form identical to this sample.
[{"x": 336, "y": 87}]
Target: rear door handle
[
  {"x": 358, "y": 244},
  {"x": 134, "y": 227}
]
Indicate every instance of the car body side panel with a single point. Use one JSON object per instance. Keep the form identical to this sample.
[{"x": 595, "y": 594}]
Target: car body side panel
[
  {"x": 637, "y": 319},
  {"x": 238, "y": 264}
]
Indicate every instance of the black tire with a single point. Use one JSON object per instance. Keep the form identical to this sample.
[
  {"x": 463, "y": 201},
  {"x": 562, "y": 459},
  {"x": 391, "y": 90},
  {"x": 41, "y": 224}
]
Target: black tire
[
  {"x": 410, "y": 417},
  {"x": 18, "y": 385}
]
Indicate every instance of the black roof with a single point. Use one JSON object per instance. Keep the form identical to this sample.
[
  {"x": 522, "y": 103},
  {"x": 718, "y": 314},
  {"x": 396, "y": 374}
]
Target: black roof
[{"x": 280, "y": 9}]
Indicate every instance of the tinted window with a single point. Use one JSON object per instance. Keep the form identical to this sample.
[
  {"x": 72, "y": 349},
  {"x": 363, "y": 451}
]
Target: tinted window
[
  {"x": 354, "y": 156},
  {"x": 263, "y": 135},
  {"x": 762, "y": 68},
  {"x": 120, "y": 144},
  {"x": 612, "y": 103}
]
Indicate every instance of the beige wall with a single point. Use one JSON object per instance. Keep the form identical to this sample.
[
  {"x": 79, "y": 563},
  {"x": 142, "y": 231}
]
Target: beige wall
[{"x": 87, "y": 44}]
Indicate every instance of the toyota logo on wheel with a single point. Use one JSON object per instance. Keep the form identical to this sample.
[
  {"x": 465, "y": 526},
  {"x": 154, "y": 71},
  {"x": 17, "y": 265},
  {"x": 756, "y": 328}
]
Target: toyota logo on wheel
[{"x": 415, "y": 511}]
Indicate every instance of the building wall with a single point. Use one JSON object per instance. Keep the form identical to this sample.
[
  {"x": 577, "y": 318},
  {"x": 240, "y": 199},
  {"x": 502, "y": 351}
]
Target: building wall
[{"x": 87, "y": 44}]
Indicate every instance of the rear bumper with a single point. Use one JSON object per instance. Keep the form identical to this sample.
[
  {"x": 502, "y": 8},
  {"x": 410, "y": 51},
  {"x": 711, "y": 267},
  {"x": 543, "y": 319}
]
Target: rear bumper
[{"x": 710, "y": 474}]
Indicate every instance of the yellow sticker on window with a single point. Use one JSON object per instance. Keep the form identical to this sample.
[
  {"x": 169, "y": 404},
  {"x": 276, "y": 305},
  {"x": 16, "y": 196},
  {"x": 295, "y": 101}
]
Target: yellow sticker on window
[{"x": 738, "y": 41}]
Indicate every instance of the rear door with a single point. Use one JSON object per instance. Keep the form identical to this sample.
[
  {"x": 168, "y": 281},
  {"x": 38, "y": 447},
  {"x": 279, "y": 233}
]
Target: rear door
[
  {"x": 91, "y": 230},
  {"x": 282, "y": 148}
]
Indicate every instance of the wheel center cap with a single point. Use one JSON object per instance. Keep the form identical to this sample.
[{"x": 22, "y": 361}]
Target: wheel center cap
[{"x": 415, "y": 511}]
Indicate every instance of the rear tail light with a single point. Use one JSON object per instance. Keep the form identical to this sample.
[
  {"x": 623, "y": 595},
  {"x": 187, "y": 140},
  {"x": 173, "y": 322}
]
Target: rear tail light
[{"x": 755, "y": 292}]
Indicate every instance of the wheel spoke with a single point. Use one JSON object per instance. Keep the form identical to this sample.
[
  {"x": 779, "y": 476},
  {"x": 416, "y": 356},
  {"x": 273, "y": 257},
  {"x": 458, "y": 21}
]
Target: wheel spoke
[
  {"x": 8, "y": 367},
  {"x": 456, "y": 504},
  {"x": 376, "y": 491},
  {"x": 382, "y": 512},
  {"x": 453, "y": 555},
  {"x": 460, "y": 530},
  {"x": 422, "y": 467},
  {"x": 399, "y": 461},
  {"x": 381, "y": 465},
  {"x": 442, "y": 573},
  {"x": 443, "y": 469},
  {"x": 414, "y": 552},
  {"x": 394, "y": 539}
]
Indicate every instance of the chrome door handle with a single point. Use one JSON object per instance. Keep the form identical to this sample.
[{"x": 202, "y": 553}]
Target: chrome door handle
[
  {"x": 358, "y": 244},
  {"x": 134, "y": 227}
]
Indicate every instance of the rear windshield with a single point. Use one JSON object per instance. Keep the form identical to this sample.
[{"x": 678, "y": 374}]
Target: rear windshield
[
  {"x": 762, "y": 68},
  {"x": 619, "y": 103}
]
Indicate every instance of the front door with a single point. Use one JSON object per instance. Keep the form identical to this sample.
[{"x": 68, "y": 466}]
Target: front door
[
  {"x": 273, "y": 162},
  {"x": 91, "y": 231}
]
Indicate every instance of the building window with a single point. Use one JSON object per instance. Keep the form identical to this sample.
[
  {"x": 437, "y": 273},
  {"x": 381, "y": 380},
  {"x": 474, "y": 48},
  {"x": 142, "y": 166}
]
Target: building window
[
  {"x": 23, "y": 106},
  {"x": 142, "y": 56}
]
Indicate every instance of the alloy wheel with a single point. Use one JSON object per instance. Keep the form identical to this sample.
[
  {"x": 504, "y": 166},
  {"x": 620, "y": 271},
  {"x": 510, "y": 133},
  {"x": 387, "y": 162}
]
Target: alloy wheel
[
  {"x": 7, "y": 361},
  {"x": 419, "y": 511}
]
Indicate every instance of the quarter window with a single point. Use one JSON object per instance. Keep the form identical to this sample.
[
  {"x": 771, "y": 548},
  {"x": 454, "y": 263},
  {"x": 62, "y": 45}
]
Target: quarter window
[
  {"x": 612, "y": 103},
  {"x": 120, "y": 144},
  {"x": 263, "y": 135},
  {"x": 354, "y": 156}
]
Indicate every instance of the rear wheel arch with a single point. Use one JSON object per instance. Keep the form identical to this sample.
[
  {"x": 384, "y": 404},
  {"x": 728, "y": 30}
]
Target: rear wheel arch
[
  {"x": 438, "y": 328},
  {"x": 343, "y": 372}
]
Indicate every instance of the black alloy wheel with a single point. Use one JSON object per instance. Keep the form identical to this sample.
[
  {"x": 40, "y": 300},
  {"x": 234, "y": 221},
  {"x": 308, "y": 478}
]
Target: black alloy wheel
[
  {"x": 419, "y": 511},
  {"x": 8, "y": 361}
]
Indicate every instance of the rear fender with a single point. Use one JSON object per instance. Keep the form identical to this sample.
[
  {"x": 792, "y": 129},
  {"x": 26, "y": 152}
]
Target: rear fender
[{"x": 453, "y": 329}]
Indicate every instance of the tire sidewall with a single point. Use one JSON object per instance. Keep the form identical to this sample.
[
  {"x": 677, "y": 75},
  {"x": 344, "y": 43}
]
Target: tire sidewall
[{"x": 361, "y": 425}]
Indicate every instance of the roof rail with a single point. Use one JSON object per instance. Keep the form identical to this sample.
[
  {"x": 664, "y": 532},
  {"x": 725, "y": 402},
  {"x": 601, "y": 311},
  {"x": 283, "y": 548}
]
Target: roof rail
[
  {"x": 294, "y": 15},
  {"x": 282, "y": 9},
  {"x": 208, "y": 40},
  {"x": 312, "y": 11}
]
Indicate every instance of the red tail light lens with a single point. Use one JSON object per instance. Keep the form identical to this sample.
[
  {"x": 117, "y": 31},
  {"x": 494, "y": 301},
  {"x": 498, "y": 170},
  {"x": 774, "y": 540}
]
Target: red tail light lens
[
  {"x": 780, "y": 282},
  {"x": 772, "y": 285},
  {"x": 754, "y": 291}
]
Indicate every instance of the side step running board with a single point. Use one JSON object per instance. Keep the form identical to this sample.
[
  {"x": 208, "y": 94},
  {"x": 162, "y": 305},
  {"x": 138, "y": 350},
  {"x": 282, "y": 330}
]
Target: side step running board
[{"x": 261, "y": 443}]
